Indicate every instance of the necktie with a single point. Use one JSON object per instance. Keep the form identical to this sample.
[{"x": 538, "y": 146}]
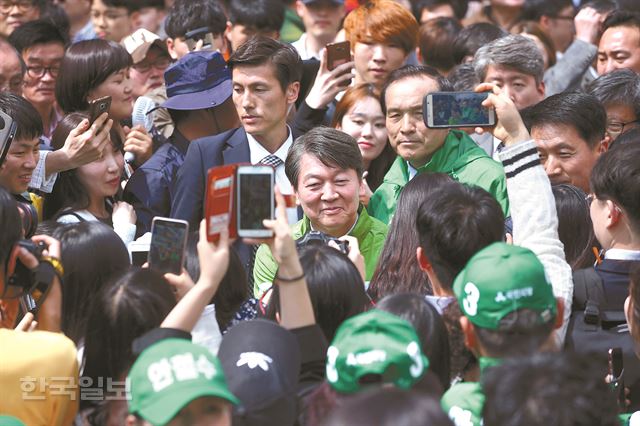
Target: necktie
[{"x": 271, "y": 160}]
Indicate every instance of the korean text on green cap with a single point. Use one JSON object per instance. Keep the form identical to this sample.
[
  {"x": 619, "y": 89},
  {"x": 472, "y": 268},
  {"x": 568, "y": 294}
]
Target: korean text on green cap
[
  {"x": 170, "y": 374},
  {"x": 501, "y": 279},
  {"x": 379, "y": 343}
]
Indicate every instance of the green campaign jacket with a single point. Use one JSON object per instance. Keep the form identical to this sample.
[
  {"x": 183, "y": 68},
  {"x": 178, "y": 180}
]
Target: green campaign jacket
[
  {"x": 370, "y": 233},
  {"x": 464, "y": 402},
  {"x": 460, "y": 158}
]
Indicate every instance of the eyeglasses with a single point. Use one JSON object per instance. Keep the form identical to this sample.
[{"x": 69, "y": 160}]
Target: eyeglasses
[
  {"x": 39, "y": 71},
  {"x": 614, "y": 128},
  {"x": 159, "y": 64},
  {"x": 22, "y": 5}
]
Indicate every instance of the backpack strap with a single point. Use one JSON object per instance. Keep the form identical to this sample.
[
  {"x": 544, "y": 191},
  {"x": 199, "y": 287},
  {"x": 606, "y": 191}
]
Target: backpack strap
[{"x": 588, "y": 295}]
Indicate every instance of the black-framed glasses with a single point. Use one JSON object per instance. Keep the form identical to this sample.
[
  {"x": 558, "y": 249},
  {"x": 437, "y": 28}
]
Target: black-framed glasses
[
  {"x": 22, "y": 5},
  {"x": 617, "y": 127},
  {"x": 39, "y": 71},
  {"x": 159, "y": 64}
]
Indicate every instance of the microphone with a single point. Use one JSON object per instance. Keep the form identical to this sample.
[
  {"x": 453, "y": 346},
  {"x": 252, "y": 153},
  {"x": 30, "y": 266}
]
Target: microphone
[{"x": 141, "y": 116}]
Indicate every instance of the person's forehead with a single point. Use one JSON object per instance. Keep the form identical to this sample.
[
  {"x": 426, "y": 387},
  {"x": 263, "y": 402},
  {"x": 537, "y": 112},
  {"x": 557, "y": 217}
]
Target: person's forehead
[
  {"x": 248, "y": 74},
  {"x": 314, "y": 168},
  {"x": 25, "y": 143},
  {"x": 52, "y": 51},
  {"x": 366, "y": 106},
  {"x": 557, "y": 136},
  {"x": 624, "y": 38},
  {"x": 410, "y": 90},
  {"x": 10, "y": 59},
  {"x": 155, "y": 52},
  {"x": 506, "y": 73},
  {"x": 100, "y": 5},
  {"x": 620, "y": 112}
]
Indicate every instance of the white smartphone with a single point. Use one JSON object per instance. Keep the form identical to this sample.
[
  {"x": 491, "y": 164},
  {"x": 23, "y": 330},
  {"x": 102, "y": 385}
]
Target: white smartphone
[
  {"x": 457, "y": 109},
  {"x": 7, "y": 132},
  {"x": 168, "y": 243},
  {"x": 255, "y": 200}
]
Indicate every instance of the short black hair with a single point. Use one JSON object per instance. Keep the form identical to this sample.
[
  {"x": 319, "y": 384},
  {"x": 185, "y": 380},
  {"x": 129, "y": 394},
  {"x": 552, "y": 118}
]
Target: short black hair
[
  {"x": 411, "y": 71},
  {"x": 188, "y": 15},
  {"x": 471, "y": 38},
  {"x": 263, "y": 15},
  {"x": 621, "y": 18},
  {"x": 455, "y": 223},
  {"x": 600, "y": 6},
  {"x": 86, "y": 65},
  {"x": 533, "y": 10},
  {"x": 459, "y": 7},
  {"x": 463, "y": 78},
  {"x": 332, "y": 147},
  {"x": 616, "y": 177},
  {"x": 581, "y": 111},
  {"x": 519, "y": 333},
  {"x": 436, "y": 37},
  {"x": 27, "y": 119},
  {"x": 131, "y": 6},
  {"x": 259, "y": 50},
  {"x": 620, "y": 86},
  {"x": 32, "y": 33},
  {"x": 560, "y": 389}
]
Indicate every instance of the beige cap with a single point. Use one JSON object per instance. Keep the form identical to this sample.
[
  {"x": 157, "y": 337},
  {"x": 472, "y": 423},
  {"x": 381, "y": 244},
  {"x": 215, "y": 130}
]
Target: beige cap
[{"x": 139, "y": 43}]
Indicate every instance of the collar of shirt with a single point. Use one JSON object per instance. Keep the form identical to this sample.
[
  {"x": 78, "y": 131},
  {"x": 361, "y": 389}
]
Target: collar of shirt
[
  {"x": 412, "y": 171},
  {"x": 622, "y": 254},
  {"x": 257, "y": 152},
  {"x": 301, "y": 46}
]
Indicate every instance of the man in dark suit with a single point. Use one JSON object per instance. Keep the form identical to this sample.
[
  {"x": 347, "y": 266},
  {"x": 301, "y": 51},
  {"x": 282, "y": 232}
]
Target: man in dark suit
[{"x": 266, "y": 81}]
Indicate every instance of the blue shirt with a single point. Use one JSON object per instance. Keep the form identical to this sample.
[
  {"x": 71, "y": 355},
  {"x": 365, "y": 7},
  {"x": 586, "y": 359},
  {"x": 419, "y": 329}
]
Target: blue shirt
[{"x": 150, "y": 189}]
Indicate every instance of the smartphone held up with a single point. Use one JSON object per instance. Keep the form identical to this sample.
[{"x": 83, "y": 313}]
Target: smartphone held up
[
  {"x": 168, "y": 243},
  {"x": 457, "y": 109}
]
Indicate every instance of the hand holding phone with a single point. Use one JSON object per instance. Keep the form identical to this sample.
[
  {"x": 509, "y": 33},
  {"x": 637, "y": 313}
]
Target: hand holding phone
[
  {"x": 168, "y": 243},
  {"x": 510, "y": 128},
  {"x": 338, "y": 54},
  {"x": 203, "y": 34}
]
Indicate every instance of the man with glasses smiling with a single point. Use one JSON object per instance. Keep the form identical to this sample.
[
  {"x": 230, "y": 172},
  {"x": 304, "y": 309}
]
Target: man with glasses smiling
[
  {"x": 619, "y": 92},
  {"x": 14, "y": 13},
  {"x": 41, "y": 45}
]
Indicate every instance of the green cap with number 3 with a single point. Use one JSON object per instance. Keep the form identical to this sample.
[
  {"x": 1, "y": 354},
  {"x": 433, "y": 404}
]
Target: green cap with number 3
[
  {"x": 500, "y": 279},
  {"x": 375, "y": 347}
]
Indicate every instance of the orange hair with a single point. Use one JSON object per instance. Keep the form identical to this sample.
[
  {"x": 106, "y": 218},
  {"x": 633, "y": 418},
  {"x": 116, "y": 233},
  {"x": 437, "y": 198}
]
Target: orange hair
[{"x": 382, "y": 21}]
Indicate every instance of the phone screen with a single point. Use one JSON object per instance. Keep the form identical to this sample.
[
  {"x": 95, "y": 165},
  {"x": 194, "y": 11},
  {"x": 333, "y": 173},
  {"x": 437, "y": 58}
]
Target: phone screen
[
  {"x": 459, "y": 109},
  {"x": 166, "y": 252},
  {"x": 256, "y": 198}
]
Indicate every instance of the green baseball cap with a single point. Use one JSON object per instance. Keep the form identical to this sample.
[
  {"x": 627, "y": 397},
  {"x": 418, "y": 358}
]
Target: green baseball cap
[
  {"x": 10, "y": 421},
  {"x": 170, "y": 374},
  {"x": 375, "y": 342},
  {"x": 500, "y": 279}
]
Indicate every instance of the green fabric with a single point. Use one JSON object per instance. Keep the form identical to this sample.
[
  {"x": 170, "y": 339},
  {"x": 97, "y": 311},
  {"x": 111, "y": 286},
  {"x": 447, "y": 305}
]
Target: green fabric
[
  {"x": 375, "y": 342},
  {"x": 292, "y": 27},
  {"x": 625, "y": 418},
  {"x": 464, "y": 402},
  {"x": 171, "y": 373},
  {"x": 370, "y": 233},
  {"x": 459, "y": 157},
  {"x": 500, "y": 279}
]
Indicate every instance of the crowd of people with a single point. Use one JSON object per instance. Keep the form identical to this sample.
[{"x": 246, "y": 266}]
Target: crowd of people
[{"x": 430, "y": 275}]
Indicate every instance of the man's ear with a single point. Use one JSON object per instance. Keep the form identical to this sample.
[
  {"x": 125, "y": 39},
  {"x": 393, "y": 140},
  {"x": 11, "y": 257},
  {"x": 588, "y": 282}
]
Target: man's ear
[
  {"x": 603, "y": 146},
  {"x": 227, "y": 33},
  {"x": 541, "y": 88},
  {"x": 419, "y": 55},
  {"x": 469, "y": 333},
  {"x": 135, "y": 19},
  {"x": 293, "y": 89},
  {"x": 423, "y": 262},
  {"x": 545, "y": 22},
  {"x": 172, "y": 49},
  {"x": 559, "y": 314}
]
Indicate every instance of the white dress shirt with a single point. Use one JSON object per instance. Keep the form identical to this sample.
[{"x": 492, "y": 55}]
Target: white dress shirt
[{"x": 258, "y": 152}]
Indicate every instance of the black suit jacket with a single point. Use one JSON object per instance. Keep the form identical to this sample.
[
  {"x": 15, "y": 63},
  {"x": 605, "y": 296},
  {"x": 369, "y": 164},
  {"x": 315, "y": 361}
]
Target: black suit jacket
[{"x": 229, "y": 147}]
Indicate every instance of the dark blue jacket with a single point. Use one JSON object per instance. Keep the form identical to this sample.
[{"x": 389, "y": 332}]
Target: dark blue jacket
[{"x": 150, "y": 188}]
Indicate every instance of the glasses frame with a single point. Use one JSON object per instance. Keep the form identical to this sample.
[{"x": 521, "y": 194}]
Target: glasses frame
[{"x": 20, "y": 4}]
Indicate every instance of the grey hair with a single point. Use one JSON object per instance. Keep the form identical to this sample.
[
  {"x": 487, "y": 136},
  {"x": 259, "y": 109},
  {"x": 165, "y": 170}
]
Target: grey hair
[
  {"x": 513, "y": 51},
  {"x": 621, "y": 86}
]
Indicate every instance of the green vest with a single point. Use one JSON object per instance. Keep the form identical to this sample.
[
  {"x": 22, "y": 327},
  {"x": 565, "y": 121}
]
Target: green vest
[
  {"x": 459, "y": 157},
  {"x": 370, "y": 233},
  {"x": 464, "y": 402}
]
